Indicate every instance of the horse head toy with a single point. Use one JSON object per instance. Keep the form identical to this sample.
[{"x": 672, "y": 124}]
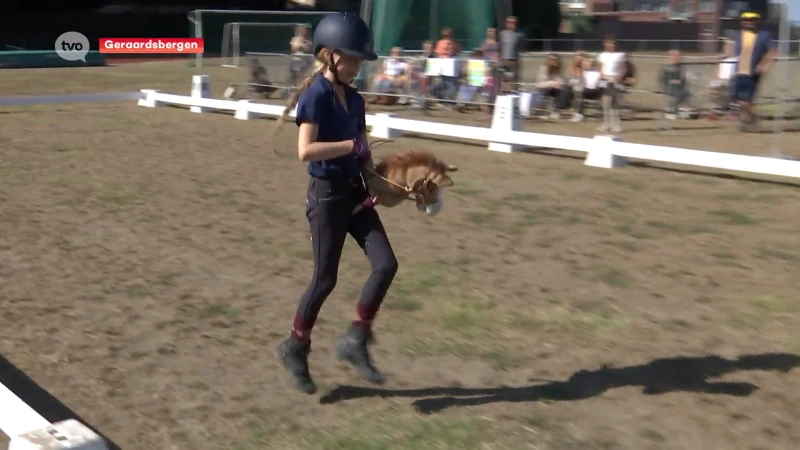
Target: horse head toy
[{"x": 416, "y": 176}]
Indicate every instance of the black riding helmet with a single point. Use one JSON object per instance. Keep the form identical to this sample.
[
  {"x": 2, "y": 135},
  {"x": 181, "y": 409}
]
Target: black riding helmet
[{"x": 346, "y": 33}]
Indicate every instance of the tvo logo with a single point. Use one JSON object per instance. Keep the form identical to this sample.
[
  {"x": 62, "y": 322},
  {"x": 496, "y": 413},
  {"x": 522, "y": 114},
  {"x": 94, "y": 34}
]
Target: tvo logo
[{"x": 72, "y": 46}]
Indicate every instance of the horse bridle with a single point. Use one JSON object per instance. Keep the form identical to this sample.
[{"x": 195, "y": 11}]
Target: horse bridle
[{"x": 418, "y": 196}]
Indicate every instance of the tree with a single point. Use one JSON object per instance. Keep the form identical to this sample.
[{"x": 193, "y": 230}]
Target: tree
[
  {"x": 538, "y": 19},
  {"x": 580, "y": 24}
]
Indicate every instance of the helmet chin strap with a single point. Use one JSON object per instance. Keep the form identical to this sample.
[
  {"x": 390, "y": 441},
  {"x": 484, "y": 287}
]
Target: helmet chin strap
[{"x": 334, "y": 66}]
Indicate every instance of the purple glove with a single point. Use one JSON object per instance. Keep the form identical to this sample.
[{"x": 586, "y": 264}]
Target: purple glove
[
  {"x": 361, "y": 150},
  {"x": 368, "y": 203}
]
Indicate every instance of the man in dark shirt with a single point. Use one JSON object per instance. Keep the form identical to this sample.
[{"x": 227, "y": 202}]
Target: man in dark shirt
[{"x": 755, "y": 50}]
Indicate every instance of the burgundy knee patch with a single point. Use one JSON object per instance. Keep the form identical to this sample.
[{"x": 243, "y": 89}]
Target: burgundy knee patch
[
  {"x": 301, "y": 328},
  {"x": 366, "y": 312}
]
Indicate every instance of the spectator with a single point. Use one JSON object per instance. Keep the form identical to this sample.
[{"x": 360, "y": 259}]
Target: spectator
[
  {"x": 719, "y": 90},
  {"x": 550, "y": 80},
  {"x": 446, "y": 46},
  {"x": 673, "y": 85},
  {"x": 628, "y": 79},
  {"x": 755, "y": 50},
  {"x": 360, "y": 81},
  {"x": 612, "y": 66},
  {"x": 491, "y": 86},
  {"x": 466, "y": 91},
  {"x": 300, "y": 59},
  {"x": 259, "y": 82},
  {"x": 490, "y": 47},
  {"x": 572, "y": 83},
  {"x": 301, "y": 42},
  {"x": 418, "y": 81},
  {"x": 512, "y": 42},
  {"x": 394, "y": 75},
  {"x": 590, "y": 89},
  {"x": 445, "y": 87}
]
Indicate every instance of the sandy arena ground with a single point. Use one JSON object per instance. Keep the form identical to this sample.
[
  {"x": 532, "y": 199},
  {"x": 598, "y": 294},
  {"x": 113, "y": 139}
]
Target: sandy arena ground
[{"x": 152, "y": 261}]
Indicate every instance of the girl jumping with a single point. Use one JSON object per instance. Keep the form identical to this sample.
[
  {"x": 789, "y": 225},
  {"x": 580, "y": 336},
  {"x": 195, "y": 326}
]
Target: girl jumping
[{"x": 333, "y": 141}]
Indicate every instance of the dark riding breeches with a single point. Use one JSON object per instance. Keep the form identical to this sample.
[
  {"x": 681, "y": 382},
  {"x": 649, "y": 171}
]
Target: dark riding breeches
[{"x": 329, "y": 210}]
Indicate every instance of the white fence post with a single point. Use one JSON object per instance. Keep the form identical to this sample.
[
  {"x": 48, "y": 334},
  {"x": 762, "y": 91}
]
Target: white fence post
[
  {"x": 67, "y": 435},
  {"x": 243, "y": 110},
  {"x": 381, "y": 128},
  {"x": 602, "y": 154},
  {"x": 506, "y": 118},
  {"x": 149, "y": 100},
  {"x": 200, "y": 89}
]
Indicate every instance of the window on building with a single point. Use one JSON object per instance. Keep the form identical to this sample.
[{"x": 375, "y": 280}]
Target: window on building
[
  {"x": 707, "y": 5},
  {"x": 662, "y": 6},
  {"x": 733, "y": 9}
]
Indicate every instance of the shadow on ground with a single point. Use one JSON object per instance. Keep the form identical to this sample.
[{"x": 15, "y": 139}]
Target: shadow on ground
[
  {"x": 660, "y": 376},
  {"x": 39, "y": 399}
]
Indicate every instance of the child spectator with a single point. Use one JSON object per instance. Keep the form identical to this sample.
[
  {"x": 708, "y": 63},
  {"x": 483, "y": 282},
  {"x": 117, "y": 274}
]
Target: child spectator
[
  {"x": 590, "y": 88},
  {"x": 673, "y": 85}
]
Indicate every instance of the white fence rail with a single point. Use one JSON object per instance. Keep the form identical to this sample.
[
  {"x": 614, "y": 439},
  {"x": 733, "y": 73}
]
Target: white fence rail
[
  {"x": 503, "y": 135},
  {"x": 28, "y": 430},
  {"x": 29, "y": 100}
]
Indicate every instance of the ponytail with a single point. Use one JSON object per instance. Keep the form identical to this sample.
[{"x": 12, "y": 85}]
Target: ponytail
[{"x": 320, "y": 66}]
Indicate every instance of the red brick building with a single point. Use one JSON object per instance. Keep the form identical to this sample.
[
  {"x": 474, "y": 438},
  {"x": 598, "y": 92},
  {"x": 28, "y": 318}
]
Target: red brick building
[{"x": 661, "y": 20}]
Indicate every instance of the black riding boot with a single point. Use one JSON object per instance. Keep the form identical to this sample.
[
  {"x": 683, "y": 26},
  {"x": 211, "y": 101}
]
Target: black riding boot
[
  {"x": 352, "y": 348},
  {"x": 294, "y": 356}
]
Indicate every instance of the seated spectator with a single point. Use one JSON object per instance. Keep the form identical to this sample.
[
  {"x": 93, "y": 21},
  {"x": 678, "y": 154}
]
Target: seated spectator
[
  {"x": 673, "y": 85},
  {"x": 572, "y": 83},
  {"x": 550, "y": 81},
  {"x": 443, "y": 45},
  {"x": 394, "y": 77},
  {"x": 259, "y": 82},
  {"x": 590, "y": 88}
]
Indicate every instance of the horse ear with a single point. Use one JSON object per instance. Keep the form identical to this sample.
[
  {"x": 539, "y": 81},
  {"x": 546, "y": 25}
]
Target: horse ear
[
  {"x": 452, "y": 168},
  {"x": 445, "y": 182}
]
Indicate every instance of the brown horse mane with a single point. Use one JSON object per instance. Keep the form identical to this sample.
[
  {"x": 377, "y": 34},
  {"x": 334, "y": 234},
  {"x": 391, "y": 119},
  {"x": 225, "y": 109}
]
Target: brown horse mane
[{"x": 412, "y": 159}]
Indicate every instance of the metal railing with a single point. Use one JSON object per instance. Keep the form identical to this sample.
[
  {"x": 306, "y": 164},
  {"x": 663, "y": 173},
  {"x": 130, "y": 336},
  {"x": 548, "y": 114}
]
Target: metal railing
[
  {"x": 420, "y": 91},
  {"x": 640, "y": 47}
]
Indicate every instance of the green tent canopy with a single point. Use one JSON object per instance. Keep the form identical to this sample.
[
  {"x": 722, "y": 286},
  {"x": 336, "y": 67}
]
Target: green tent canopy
[{"x": 408, "y": 23}]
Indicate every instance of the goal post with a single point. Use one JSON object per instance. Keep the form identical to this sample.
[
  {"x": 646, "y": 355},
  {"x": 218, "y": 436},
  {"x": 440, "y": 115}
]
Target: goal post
[
  {"x": 209, "y": 24},
  {"x": 239, "y": 38}
]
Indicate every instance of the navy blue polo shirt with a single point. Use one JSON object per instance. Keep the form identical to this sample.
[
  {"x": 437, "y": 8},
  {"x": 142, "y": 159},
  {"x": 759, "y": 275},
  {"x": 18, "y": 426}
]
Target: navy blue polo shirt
[
  {"x": 755, "y": 52},
  {"x": 318, "y": 104}
]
